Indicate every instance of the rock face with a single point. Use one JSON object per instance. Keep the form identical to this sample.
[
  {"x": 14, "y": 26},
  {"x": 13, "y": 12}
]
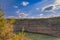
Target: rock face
[{"x": 50, "y": 26}]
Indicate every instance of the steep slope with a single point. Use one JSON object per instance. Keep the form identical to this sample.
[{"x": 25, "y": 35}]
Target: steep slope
[{"x": 50, "y": 26}]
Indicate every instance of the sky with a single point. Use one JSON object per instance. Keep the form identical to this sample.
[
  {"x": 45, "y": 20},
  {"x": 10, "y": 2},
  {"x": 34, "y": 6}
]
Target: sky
[{"x": 30, "y": 8}]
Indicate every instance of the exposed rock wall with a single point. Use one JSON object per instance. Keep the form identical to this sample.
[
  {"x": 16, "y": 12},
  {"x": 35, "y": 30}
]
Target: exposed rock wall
[{"x": 49, "y": 26}]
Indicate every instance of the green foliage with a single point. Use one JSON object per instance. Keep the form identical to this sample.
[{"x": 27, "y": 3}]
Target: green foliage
[{"x": 6, "y": 30}]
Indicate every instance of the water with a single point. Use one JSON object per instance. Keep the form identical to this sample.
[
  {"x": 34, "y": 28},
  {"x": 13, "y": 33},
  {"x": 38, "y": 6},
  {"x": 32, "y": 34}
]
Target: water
[{"x": 34, "y": 36}]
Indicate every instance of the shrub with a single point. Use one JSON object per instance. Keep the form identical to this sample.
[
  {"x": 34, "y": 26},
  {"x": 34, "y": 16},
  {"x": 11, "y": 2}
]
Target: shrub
[{"x": 6, "y": 30}]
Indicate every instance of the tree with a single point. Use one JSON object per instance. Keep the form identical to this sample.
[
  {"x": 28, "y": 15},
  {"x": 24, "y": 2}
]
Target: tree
[{"x": 6, "y": 29}]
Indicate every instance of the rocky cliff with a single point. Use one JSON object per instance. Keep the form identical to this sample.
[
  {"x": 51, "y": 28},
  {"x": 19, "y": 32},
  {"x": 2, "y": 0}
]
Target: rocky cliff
[{"x": 50, "y": 26}]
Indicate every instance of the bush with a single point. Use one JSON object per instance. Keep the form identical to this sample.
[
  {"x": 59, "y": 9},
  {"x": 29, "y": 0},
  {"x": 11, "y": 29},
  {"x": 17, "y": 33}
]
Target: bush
[{"x": 6, "y": 30}]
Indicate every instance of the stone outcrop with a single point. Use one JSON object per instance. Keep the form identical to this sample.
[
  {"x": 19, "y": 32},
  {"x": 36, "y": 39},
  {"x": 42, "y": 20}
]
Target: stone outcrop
[{"x": 50, "y": 26}]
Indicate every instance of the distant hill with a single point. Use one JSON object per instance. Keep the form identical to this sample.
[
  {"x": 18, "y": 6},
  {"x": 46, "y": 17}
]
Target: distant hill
[{"x": 50, "y": 26}]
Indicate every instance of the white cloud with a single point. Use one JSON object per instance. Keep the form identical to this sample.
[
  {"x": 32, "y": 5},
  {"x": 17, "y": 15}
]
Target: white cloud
[
  {"x": 56, "y": 6},
  {"x": 32, "y": 17},
  {"x": 40, "y": 15},
  {"x": 47, "y": 7},
  {"x": 23, "y": 15},
  {"x": 57, "y": 2},
  {"x": 11, "y": 17},
  {"x": 18, "y": 11},
  {"x": 24, "y": 3},
  {"x": 15, "y": 6},
  {"x": 37, "y": 8}
]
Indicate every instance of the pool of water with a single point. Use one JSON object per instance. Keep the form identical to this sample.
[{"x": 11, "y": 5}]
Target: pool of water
[{"x": 34, "y": 36}]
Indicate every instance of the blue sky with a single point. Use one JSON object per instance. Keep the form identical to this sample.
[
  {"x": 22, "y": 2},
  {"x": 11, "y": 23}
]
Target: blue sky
[{"x": 29, "y": 8}]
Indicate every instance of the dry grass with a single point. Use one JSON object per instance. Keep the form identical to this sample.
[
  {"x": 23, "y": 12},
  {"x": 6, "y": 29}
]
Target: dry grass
[{"x": 57, "y": 39}]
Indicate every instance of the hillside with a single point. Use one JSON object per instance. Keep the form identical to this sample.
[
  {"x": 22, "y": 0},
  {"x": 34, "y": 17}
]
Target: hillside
[{"x": 50, "y": 26}]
